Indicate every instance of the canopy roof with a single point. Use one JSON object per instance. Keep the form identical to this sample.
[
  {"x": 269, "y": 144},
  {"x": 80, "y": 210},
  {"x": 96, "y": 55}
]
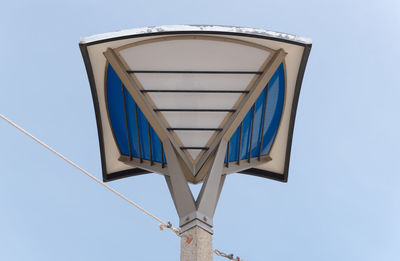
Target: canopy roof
[{"x": 194, "y": 86}]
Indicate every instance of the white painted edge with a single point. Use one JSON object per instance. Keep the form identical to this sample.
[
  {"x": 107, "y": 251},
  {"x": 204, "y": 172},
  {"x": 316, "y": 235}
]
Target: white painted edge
[{"x": 214, "y": 28}]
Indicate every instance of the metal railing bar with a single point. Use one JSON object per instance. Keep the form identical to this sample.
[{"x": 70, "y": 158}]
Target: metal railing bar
[
  {"x": 196, "y": 91},
  {"x": 240, "y": 142},
  {"x": 251, "y": 132},
  {"x": 138, "y": 133},
  {"x": 194, "y": 148},
  {"x": 126, "y": 121},
  {"x": 196, "y": 110},
  {"x": 193, "y": 72},
  {"x": 151, "y": 149},
  {"x": 194, "y": 129}
]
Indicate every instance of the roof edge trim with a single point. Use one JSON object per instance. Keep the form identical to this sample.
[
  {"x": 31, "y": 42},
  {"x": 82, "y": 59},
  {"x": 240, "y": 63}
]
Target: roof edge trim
[{"x": 193, "y": 28}]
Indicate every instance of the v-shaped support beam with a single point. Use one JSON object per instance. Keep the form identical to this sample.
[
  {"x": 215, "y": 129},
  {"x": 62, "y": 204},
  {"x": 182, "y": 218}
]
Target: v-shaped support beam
[{"x": 201, "y": 212}]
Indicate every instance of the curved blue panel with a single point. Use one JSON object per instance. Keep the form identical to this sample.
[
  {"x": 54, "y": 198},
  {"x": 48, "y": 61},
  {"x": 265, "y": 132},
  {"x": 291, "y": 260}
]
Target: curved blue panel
[
  {"x": 276, "y": 95},
  {"x": 265, "y": 122},
  {"x": 134, "y": 135},
  {"x": 116, "y": 110}
]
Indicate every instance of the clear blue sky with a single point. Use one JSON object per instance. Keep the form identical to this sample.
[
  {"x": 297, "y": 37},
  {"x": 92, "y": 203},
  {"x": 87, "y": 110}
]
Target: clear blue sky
[{"x": 342, "y": 198}]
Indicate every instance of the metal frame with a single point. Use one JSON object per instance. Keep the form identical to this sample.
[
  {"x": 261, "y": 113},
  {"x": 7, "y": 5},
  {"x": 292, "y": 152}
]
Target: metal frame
[
  {"x": 252, "y": 171},
  {"x": 243, "y": 104},
  {"x": 188, "y": 159}
]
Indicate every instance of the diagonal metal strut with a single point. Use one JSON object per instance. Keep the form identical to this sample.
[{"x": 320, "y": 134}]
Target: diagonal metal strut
[{"x": 200, "y": 212}]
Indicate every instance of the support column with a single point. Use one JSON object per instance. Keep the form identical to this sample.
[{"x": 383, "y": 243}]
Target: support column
[
  {"x": 196, "y": 217},
  {"x": 196, "y": 245}
]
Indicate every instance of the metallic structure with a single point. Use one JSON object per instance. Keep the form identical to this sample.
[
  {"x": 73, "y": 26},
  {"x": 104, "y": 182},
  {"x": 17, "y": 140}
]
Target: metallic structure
[{"x": 195, "y": 103}]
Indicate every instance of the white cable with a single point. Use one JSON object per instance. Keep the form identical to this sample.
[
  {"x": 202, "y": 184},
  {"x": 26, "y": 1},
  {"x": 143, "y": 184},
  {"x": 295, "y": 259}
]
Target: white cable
[{"x": 162, "y": 223}]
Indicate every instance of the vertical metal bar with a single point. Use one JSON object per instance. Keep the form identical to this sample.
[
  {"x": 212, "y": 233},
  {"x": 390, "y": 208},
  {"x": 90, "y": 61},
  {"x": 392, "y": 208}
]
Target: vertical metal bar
[
  {"x": 240, "y": 142},
  {"x": 138, "y": 134},
  {"x": 251, "y": 132},
  {"x": 126, "y": 122},
  {"x": 151, "y": 151},
  {"x": 263, "y": 122},
  {"x": 227, "y": 155},
  {"x": 162, "y": 155}
]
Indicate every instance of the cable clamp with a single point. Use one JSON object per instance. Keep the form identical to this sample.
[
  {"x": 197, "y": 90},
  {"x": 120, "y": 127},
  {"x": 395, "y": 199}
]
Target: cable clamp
[
  {"x": 230, "y": 256},
  {"x": 163, "y": 225}
]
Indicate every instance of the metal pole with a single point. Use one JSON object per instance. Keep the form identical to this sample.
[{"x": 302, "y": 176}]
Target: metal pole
[
  {"x": 196, "y": 245},
  {"x": 196, "y": 217}
]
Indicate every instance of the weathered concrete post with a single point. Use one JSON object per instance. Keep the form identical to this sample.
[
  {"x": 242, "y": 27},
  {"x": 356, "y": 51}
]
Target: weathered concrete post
[{"x": 196, "y": 245}]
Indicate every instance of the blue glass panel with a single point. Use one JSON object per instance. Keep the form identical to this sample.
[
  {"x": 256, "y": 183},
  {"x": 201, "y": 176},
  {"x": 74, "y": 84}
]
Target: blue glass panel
[
  {"x": 155, "y": 145},
  {"x": 244, "y": 149},
  {"x": 234, "y": 146},
  {"x": 116, "y": 110},
  {"x": 271, "y": 118},
  {"x": 274, "y": 109},
  {"x": 144, "y": 135},
  {"x": 258, "y": 116},
  {"x": 132, "y": 127}
]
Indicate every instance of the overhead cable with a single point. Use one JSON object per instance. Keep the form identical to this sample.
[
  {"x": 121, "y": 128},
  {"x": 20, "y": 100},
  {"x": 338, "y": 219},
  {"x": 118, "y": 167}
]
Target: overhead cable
[{"x": 162, "y": 224}]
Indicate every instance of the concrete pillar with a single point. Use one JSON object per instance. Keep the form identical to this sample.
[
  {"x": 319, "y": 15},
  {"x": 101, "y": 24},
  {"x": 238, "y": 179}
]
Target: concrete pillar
[{"x": 196, "y": 245}]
